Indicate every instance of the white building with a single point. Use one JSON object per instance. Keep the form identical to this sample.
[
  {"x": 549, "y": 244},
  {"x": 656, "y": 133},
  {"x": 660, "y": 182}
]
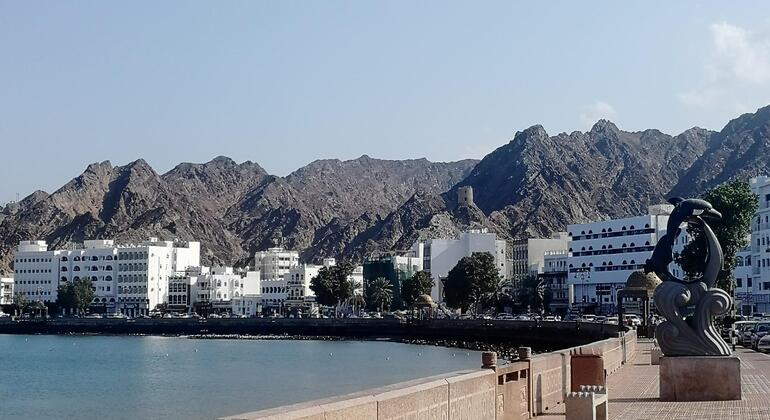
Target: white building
[
  {"x": 554, "y": 276},
  {"x": 273, "y": 266},
  {"x": 215, "y": 289},
  {"x": 528, "y": 254},
  {"x": 132, "y": 279},
  {"x": 144, "y": 271},
  {"x": 603, "y": 254},
  {"x": 6, "y": 290},
  {"x": 760, "y": 245},
  {"x": 744, "y": 284},
  {"x": 36, "y": 271},
  {"x": 440, "y": 255}
]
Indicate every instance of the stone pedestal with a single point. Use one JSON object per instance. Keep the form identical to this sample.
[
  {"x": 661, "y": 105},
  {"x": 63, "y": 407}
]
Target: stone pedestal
[{"x": 700, "y": 378}]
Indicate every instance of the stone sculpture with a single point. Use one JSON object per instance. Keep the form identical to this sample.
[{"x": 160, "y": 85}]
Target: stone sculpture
[{"x": 689, "y": 306}]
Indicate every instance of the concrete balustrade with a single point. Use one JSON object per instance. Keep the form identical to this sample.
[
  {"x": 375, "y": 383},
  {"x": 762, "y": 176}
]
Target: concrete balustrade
[{"x": 512, "y": 391}]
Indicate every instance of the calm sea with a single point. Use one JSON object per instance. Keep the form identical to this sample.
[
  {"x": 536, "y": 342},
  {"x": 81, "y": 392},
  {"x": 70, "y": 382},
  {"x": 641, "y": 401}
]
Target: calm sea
[{"x": 95, "y": 377}]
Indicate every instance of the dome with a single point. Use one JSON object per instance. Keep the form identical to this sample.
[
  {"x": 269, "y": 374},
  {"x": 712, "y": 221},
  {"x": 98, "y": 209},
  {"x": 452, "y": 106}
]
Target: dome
[
  {"x": 640, "y": 281},
  {"x": 425, "y": 300}
]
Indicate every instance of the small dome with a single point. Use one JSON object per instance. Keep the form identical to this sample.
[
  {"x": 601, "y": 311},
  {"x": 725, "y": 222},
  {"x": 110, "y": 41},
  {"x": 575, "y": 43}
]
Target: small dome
[
  {"x": 425, "y": 300},
  {"x": 641, "y": 281}
]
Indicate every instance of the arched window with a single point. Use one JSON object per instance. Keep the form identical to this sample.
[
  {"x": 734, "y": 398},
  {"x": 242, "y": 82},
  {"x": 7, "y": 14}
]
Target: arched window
[
  {"x": 647, "y": 243},
  {"x": 583, "y": 265},
  {"x": 609, "y": 229},
  {"x": 64, "y": 279},
  {"x": 76, "y": 258},
  {"x": 76, "y": 268},
  {"x": 570, "y": 250},
  {"x": 94, "y": 268},
  {"x": 590, "y": 232},
  {"x": 109, "y": 258},
  {"x": 96, "y": 300},
  {"x": 94, "y": 258},
  {"x": 625, "y": 262},
  {"x": 64, "y": 269},
  {"x": 590, "y": 248},
  {"x": 646, "y": 225},
  {"x": 631, "y": 227},
  {"x": 604, "y": 246},
  {"x": 93, "y": 278},
  {"x": 112, "y": 300},
  {"x": 108, "y": 278},
  {"x": 624, "y": 245},
  {"x": 604, "y": 230},
  {"x": 632, "y": 245},
  {"x": 623, "y": 228},
  {"x": 570, "y": 266},
  {"x": 604, "y": 262},
  {"x": 610, "y": 263},
  {"x": 64, "y": 259},
  {"x": 590, "y": 264},
  {"x": 108, "y": 268},
  {"x": 609, "y": 246},
  {"x": 633, "y": 262},
  {"x": 76, "y": 278}
]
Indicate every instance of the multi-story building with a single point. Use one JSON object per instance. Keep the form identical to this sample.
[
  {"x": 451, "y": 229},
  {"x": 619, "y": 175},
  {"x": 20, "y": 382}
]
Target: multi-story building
[
  {"x": 37, "y": 271},
  {"x": 744, "y": 284},
  {"x": 528, "y": 254},
  {"x": 219, "y": 289},
  {"x": 603, "y": 254},
  {"x": 554, "y": 277},
  {"x": 273, "y": 266},
  {"x": 275, "y": 262},
  {"x": 132, "y": 279},
  {"x": 760, "y": 245},
  {"x": 6, "y": 290},
  {"x": 441, "y": 255},
  {"x": 144, "y": 271},
  {"x": 396, "y": 269}
]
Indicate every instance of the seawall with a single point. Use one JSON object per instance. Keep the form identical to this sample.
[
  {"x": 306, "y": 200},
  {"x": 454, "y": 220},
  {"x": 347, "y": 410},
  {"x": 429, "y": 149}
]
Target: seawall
[
  {"x": 538, "y": 335},
  {"x": 518, "y": 390}
]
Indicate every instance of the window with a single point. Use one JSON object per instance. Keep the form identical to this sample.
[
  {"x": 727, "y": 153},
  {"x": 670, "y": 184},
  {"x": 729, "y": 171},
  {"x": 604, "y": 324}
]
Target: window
[
  {"x": 738, "y": 282},
  {"x": 64, "y": 269}
]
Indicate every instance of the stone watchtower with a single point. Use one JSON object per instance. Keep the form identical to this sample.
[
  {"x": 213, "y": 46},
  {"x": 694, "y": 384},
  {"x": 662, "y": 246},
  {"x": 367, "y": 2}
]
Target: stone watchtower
[{"x": 465, "y": 196}]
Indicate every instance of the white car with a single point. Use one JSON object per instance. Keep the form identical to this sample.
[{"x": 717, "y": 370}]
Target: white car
[{"x": 763, "y": 344}]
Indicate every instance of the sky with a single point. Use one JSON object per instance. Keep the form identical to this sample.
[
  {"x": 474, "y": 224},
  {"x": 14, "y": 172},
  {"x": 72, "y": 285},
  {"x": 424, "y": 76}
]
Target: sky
[{"x": 283, "y": 83}]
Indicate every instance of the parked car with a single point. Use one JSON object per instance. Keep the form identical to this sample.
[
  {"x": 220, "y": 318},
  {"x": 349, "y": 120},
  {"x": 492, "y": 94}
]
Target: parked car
[
  {"x": 741, "y": 330},
  {"x": 522, "y": 318},
  {"x": 760, "y": 330},
  {"x": 632, "y": 320},
  {"x": 504, "y": 317},
  {"x": 94, "y": 316},
  {"x": 551, "y": 318}
]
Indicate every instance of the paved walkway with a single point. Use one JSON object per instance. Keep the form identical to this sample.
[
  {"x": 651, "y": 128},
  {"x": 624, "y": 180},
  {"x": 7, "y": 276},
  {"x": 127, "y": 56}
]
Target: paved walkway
[{"x": 634, "y": 392}]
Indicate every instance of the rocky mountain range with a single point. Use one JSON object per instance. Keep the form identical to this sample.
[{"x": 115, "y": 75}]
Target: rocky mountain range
[{"x": 532, "y": 186}]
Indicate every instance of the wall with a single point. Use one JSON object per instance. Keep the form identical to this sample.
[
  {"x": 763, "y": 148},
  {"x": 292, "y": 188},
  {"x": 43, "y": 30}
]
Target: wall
[{"x": 512, "y": 391}]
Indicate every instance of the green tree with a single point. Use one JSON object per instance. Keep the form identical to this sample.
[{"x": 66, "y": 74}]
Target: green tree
[
  {"x": 470, "y": 281},
  {"x": 533, "y": 294},
  {"x": 65, "y": 296},
  {"x": 502, "y": 296},
  {"x": 332, "y": 286},
  {"x": 83, "y": 294},
  {"x": 19, "y": 302},
  {"x": 421, "y": 283},
  {"x": 381, "y": 292},
  {"x": 738, "y": 205}
]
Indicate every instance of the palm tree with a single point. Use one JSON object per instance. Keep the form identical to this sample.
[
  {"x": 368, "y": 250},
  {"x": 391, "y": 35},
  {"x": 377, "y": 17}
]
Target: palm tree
[
  {"x": 381, "y": 292},
  {"x": 357, "y": 301}
]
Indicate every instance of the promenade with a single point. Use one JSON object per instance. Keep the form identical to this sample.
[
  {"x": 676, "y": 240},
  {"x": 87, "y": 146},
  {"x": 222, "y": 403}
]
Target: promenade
[{"x": 633, "y": 392}]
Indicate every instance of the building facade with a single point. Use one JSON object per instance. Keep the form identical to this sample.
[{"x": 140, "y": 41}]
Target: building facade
[
  {"x": 439, "y": 256},
  {"x": 601, "y": 256},
  {"x": 394, "y": 268},
  {"x": 554, "y": 277},
  {"x": 760, "y": 245},
  {"x": 528, "y": 255},
  {"x": 6, "y": 290}
]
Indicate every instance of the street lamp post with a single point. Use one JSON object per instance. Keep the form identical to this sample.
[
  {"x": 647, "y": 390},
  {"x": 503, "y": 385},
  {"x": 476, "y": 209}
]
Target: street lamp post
[{"x": 583, "y": 274}]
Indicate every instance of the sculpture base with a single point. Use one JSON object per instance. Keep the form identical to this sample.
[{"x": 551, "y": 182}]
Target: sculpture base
[{"x": 700, "y": 378}]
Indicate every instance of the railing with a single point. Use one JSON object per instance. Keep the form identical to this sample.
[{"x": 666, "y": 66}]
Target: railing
[{"x": 519, "y": 390}]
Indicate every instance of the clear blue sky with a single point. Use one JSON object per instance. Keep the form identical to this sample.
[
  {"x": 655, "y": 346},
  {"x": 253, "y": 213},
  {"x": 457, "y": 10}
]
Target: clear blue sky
[{"x": 284, "y": 83}]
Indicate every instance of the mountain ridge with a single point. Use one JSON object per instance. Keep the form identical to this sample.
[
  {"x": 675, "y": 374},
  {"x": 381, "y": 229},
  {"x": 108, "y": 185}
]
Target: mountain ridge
[{"x": 533, "y": 185}]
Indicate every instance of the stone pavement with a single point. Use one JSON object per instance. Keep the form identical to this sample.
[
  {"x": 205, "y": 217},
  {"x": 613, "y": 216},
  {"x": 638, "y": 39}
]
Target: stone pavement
[{"x": 633, "y": 392}]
